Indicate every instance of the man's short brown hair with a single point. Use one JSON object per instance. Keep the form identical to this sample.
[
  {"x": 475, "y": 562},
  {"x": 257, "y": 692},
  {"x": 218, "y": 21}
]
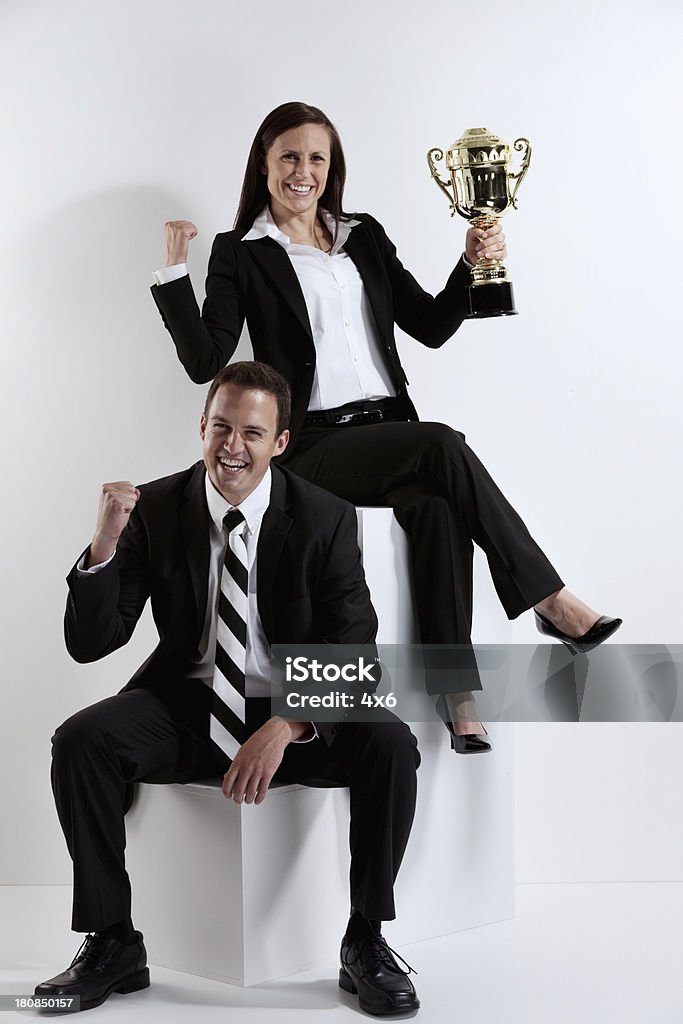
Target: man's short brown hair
[{"x": 257, "y": 377}]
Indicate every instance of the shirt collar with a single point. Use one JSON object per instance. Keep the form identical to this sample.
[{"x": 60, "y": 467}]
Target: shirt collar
[
  {"x": 253, "y": 507},
  {"x": 265, "y": 227}
]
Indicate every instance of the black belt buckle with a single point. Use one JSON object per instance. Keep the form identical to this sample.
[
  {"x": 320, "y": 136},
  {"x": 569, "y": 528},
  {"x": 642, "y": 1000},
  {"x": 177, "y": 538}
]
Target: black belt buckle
[
  {"x": 374, "y": 414},
  {"x": 358, "y": 417},
  {"x": 327, "y": 418}
]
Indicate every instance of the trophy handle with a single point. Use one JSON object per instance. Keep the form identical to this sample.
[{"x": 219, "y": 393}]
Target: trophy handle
[
  {"x": 443, "y": 185},
  {"x": 519, "y": 145}
]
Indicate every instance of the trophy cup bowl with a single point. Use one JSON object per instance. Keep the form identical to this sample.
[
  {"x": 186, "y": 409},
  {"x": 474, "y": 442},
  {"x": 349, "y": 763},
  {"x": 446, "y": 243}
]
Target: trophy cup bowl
[{"x": 479, "y": 190}]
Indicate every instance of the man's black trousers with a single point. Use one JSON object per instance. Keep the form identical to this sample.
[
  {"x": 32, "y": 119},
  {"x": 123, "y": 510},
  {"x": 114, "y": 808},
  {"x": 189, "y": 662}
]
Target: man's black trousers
[{"x": 136, "y": 736}]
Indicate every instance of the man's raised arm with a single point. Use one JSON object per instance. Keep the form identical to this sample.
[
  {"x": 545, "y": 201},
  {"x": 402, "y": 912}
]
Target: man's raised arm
[{"x": 109, "y": 585}]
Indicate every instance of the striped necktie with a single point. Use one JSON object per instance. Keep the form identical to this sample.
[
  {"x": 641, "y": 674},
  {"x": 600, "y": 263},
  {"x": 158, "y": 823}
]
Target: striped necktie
[{"x": 228, "y": 716}]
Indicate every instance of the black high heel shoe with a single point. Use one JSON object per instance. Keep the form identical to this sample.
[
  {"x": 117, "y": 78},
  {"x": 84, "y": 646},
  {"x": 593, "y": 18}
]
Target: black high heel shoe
[
  {"x": 598, "y": 632},
  {"x": 469, "y": 742}
]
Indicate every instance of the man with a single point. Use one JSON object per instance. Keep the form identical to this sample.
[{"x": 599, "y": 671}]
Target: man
[{"x": 235, "y": 555}]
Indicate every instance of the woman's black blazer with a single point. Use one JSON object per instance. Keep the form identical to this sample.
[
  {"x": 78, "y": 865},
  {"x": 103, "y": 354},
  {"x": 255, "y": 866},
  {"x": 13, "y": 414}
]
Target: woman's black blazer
[{"x": 255, "y": 281}]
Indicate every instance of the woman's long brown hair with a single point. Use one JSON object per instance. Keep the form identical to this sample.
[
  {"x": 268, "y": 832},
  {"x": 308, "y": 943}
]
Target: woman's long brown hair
[{"x": 255, "y": 193}]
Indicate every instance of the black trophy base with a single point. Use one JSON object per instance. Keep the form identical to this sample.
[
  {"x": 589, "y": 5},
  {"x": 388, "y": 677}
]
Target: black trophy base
[{"x": 492, "y": 299}]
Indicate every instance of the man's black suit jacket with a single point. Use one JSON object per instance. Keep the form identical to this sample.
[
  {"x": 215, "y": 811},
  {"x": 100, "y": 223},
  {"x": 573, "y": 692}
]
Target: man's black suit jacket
[
  {"x": 255, "y": 281},
  {"x": 311, "y": 587}
]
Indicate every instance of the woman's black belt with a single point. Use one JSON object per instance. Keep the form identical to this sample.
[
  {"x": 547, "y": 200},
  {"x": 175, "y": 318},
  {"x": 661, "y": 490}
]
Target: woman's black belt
[{"x": 356, "y": 412}]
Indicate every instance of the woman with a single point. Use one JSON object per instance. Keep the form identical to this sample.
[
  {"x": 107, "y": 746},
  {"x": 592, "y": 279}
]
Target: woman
[{"x": 320, "y": 291}]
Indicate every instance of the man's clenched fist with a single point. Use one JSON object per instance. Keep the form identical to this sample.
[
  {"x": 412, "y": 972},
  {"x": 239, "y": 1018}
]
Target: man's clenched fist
[
  {"x": 178, "y": 235},
  {"x": 117, "y": 501}
]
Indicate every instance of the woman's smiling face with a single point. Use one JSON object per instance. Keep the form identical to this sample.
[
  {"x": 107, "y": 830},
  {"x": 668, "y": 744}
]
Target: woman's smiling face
[{"x": 296, "y": 166}]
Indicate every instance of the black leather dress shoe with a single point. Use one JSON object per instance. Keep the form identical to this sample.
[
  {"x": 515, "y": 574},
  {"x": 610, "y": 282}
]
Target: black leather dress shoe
[
  {"x": 464, "y": 743},
  {"x": 101, "y": 966},
  {"x": 369, "y": 970},
  {"x": 598, "y": 632}
]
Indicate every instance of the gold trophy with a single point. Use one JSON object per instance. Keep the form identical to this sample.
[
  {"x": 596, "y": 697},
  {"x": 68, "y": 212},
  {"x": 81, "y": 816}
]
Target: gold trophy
[{"x": 479, "y": 163}]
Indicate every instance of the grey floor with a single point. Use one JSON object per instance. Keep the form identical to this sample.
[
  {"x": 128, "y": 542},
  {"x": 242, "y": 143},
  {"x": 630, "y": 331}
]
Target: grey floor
[{"x": 574, "y": 953}]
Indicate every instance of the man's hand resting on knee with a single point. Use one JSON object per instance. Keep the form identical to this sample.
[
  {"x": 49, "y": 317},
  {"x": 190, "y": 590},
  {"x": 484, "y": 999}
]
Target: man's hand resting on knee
[{"x": 258, "y": 759}]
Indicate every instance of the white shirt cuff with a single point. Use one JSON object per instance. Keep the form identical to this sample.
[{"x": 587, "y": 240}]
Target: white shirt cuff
[
  {"x": 82, "y": 571},
  {"x": 308, "y": 739},
  {"x": 167, "y": 274},
  {"x": 466, "y": 261}
]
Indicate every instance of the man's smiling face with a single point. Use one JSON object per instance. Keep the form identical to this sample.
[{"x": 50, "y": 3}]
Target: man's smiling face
[{"x": 239, "y": 435}]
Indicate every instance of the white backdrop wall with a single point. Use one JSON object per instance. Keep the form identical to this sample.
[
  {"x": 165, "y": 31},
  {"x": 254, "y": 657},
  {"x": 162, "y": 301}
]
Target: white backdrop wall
[{"x": 118, "y": 116}]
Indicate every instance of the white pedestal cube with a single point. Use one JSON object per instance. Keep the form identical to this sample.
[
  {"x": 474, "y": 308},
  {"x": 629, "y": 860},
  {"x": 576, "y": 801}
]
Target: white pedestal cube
[
  {"x": 245, "y": 894},
  {"x": 241, "y": 894}
]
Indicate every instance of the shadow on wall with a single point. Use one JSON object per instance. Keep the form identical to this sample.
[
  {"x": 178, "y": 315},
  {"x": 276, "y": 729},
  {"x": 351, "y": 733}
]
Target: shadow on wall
[
  {"x": 84, "y": 340},
  {"x": 78, "y": 298}
]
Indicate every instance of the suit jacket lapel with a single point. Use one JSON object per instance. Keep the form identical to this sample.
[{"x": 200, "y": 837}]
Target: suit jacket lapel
[
  {"x": 194, "y": 524},
  {"x": 275, "y": 526},
  {"x": 277, "y": 267},
  {"x": 359, "y": 247}
]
